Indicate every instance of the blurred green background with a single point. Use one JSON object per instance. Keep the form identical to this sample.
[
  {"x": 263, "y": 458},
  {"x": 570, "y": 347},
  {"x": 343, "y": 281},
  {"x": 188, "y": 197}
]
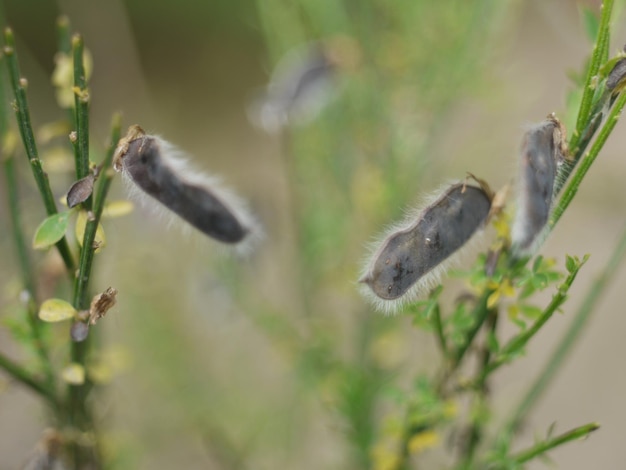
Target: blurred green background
[{"x": 272, "y": 361}]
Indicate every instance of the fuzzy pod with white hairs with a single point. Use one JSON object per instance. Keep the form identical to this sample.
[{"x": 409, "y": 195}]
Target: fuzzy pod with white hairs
[
  {"x": 160, "y": 171},
  {"x": 542, "y": 151},
  {"x": 303, "y": 83},
  {"x": 413, "y": 254}
]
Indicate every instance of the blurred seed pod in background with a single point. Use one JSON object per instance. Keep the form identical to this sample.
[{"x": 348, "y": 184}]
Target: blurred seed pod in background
[{"x": 303, "y": 83}]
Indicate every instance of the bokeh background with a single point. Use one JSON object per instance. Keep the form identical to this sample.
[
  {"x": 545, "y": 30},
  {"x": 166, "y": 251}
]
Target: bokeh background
[{"x": 222, "y": 362}]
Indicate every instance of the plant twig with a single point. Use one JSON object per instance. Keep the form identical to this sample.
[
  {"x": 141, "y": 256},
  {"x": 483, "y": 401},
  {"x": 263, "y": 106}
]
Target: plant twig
[
  {"x": 570, "y": 336},
  {"x": 600, "y": 51},
  {"x": 475, "y": 431},
  {"x": 79, "y": 414},
  {"x": 81, "y": 101},
  {"x": 481, "y": 312},
  {"x": 587, "y": 161},
  {"x": 542, "y": 447},
  {"x": 19, "y": 241},
  {"x": 26, "y": 131},
  {"x": 28, "y": 278},
  {"x": 64, "y": 38},
  {"x": 88, "y": 250},
  {"x": 519, "y": 341},
  {"x": 22, "y": 376},
  {"x": 441, "y": 338}
]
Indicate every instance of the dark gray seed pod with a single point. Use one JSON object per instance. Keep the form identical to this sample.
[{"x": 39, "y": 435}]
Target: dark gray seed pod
[
  {"x": 540, "y": 154},
  {"x": 80, "y": 191},
  {"x": 149, "y": 163},
  {"x": 409, "y": 253},
  {"x": 616, "y": 75}
]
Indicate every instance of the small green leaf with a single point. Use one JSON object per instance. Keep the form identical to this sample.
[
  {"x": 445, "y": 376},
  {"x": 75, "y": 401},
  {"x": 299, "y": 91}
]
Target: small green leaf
[
  {"x": 492, "y": 342},
  {"x": 570, "y": 263},
  {"x": 521, "y": 324},
  {"x": 591, "y": 22},
  {"x": 50, "y": 231},
  {"x": 55, "y": 310},
  {"x": 540, "y": 281},
  {"x": 530, "y": 311},
  {"x": 537, "y": 263}
]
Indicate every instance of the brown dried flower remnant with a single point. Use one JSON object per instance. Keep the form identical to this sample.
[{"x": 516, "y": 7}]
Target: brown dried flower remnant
[{"x": 101, "y": 304}]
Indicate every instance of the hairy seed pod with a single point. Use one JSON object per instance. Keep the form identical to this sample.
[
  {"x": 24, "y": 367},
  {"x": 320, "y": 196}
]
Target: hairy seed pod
[
  {"x": 303, "y": 83},
  {"x": 414, "y": 250},
  {"x": 156, "y": 168},
  {"x": 541, "y": 152},
  {"x": 617, "y": 74}
]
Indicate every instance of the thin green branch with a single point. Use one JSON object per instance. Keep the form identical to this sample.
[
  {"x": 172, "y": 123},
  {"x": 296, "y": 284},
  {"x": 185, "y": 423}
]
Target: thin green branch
[
  {"x": 64, "y": 37},
  {"x": 19, "y": 240},
  {"x": 572, "y": 334},
  {"x": 441, "y": 337},
  {"x": 88, "y": 250},
  {"x": 518, "y": 342},
  {"x": 28, "y": 278},
  {"x": 79, "y": 414},
  {"x": 481, "y": 312},
  {"x": 542, "y": 447},
  {"x": 599, "y": 56},
  {"x": 23, "y": 377},
  {"x": 475, "y": 431},
  {"x": 26, "y": 131},
  {"x": 81, "y": 101},
  {"x": 587, "y": 161}
]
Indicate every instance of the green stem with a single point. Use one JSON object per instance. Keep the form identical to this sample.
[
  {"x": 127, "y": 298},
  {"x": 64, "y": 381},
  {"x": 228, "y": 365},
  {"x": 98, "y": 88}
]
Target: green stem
[
  {"x": 64, "y": 38},
  {"x": 522, "y": 339},
  {"x": 587, "y": 161},
  {"x": 79, "y": 414},
  {"x": 572, "y": 334},
  {"x": 481, "y": 312},
  {"x": 28, "y": 278},
  {"x": 599, "y": 56},
  {"x": 81, "y": 101},
  {"x": 475, "y": 432},
  {"x": 22, "y": 376},
  {"x": 19, "y": 240},
  {"x": 437, "y": 323},
  {"x": 88, "y": 250},
  {"x": 542, "y": 447},
  {"x": 26, "y": 131}
]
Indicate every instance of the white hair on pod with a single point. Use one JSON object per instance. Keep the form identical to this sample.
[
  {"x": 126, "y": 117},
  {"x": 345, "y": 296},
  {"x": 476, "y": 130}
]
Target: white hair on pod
[
  {"x": 305, "y": 80},
  {"x": 410, "y": 257},
  {"x": 156, "y": 170},
  {"x": 541, "y": 153}
]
